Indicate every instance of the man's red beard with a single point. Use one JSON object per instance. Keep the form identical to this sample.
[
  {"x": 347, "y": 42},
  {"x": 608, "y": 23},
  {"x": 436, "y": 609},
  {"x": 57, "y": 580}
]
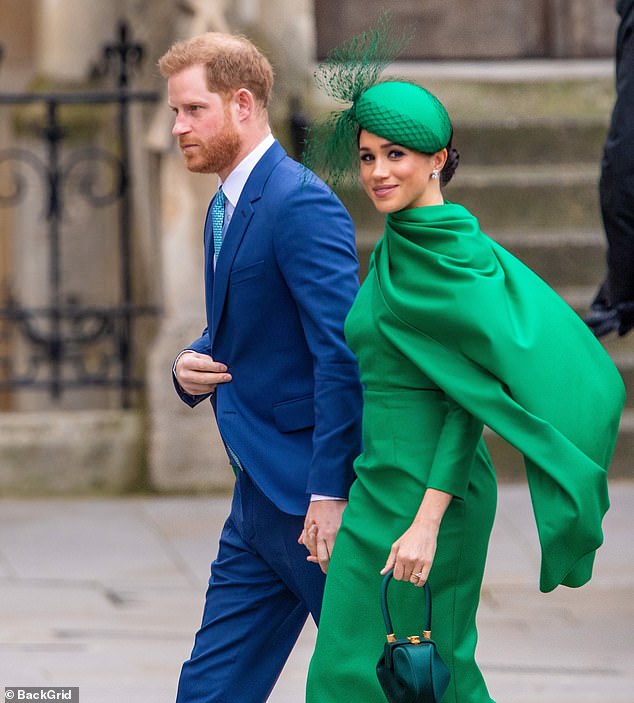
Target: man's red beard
[{"x": 216, "y": 154}]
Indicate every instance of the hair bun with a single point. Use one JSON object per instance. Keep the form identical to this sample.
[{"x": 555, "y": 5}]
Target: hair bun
[{"x": 453, "y": 158}]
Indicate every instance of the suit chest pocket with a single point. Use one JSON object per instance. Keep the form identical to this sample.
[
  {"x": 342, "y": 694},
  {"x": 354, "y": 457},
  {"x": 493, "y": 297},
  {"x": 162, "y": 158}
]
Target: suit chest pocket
[{"x": 242, "y": 275}]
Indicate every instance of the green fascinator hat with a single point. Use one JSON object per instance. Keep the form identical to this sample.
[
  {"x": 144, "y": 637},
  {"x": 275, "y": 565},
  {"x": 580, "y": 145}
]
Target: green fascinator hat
[
  {"x": 397, "y": 110},
  {"x": 406, "y": 114}
]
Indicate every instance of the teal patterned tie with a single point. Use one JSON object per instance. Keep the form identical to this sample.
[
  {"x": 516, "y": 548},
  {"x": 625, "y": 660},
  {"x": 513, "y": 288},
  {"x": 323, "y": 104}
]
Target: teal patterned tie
[{"x": 217, "y": 220}]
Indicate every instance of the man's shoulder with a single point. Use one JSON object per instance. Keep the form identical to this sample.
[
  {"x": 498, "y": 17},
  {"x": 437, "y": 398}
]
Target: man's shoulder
[
  {"x": 279, "y": 181},
  {"x": 297, "y": 180}
]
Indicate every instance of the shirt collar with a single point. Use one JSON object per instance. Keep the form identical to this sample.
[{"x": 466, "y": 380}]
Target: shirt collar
[{"x": 234, "y": 183}]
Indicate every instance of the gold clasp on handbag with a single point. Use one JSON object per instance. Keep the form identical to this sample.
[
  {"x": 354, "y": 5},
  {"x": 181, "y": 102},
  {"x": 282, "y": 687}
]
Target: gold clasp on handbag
[
  {"x": 414, "y": 639},
  {"x": 410, "y": 669}
]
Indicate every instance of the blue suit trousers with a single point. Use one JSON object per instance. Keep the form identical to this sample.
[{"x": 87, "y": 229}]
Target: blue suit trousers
[{"x": 260, "y": 593}]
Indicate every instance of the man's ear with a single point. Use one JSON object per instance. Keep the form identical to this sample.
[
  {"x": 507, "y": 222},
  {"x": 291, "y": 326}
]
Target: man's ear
[{"x": 244, "y": 103}]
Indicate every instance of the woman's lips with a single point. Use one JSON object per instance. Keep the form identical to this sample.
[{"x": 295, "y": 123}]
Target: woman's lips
[{"x": 383, "y": 191}]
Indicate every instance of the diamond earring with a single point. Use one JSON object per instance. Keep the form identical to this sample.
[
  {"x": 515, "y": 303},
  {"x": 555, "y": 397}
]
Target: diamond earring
[{"x": 434, "y": 173}]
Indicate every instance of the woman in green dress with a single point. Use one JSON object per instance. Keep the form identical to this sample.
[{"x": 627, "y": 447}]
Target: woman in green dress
[{"x": 451, "y": 333}]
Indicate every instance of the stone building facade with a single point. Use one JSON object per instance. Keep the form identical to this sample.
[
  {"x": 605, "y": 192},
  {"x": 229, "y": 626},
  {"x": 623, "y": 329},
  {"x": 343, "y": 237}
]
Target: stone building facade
[{"x": 162, "y": 444}]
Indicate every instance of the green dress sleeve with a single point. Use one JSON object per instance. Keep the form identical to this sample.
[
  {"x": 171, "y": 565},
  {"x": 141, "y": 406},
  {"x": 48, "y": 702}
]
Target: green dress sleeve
[{"x": 459, "y": 438}]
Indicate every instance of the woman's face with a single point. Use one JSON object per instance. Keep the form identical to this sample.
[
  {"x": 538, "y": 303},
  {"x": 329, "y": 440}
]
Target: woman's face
[{"x": 396, "y": 178}]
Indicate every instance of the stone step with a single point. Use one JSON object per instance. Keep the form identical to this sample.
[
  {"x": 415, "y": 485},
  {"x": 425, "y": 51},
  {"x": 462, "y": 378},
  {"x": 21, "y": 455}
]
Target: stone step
[
  {"x": 620, "y": 350},
  {"x": 488, "y": 90},
  {"x": 530, "y": 135},
  {"x": 562, "y": 258},
  {"x": 520, "y": 198},
  {"x": 510, "y": 198},
  {"x": 578, "y": 297},
  {"x": 524, "y": 112},
  {"x": 509, "y": 464},
  {"x": 519, "y": 112},
  {"x": 492, "y": 90},
  {"x": 529, "y": 140}
]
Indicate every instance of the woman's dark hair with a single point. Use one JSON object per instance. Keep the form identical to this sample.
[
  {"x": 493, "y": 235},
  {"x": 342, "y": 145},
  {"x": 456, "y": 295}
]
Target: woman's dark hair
[{"x": 453, "y": 157}]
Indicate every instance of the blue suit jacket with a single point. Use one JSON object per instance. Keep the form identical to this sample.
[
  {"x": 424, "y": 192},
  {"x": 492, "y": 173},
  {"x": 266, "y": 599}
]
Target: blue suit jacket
[{"x": 285, "y": 279}]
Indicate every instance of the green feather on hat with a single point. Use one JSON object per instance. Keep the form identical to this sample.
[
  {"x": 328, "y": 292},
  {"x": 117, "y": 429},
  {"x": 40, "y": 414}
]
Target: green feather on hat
[{"x": 398, "y": 110}]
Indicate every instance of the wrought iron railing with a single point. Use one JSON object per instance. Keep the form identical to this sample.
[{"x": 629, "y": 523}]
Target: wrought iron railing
[{"x": 67, "y": 343}]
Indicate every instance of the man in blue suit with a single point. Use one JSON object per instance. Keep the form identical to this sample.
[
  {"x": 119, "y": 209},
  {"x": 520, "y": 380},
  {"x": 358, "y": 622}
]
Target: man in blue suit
[{"x": 280, "y": 277}]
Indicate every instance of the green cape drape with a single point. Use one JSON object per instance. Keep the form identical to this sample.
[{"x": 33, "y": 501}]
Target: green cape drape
[{"x": 498, "y": 340}]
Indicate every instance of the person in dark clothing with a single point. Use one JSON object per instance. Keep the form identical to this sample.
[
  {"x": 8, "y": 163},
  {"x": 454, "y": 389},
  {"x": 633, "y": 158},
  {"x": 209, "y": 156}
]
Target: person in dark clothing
[{"x": 613, "y": 306}]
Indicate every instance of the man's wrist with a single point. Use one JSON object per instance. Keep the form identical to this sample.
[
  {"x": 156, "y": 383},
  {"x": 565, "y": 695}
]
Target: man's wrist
[
  {"x": 185, "y": 351},
  {"x": 318, "y": 496}
]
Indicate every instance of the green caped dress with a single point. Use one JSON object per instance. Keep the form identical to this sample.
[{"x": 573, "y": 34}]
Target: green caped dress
[{"x": 453, "y": 333}]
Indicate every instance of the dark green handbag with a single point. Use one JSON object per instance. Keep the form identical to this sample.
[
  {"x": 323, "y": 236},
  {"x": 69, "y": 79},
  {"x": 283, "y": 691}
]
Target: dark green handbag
[{"x": 410, "y": 670}]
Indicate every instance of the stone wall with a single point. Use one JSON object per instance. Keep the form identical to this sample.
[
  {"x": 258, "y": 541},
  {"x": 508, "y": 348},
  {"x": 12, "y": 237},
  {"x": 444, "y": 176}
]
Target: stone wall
[
  {"x": 168, "y": 446},
  {"x": 479, "y": 29},
  {"x": 17, "y": 39},
  {"x": 71, "y": 452}
]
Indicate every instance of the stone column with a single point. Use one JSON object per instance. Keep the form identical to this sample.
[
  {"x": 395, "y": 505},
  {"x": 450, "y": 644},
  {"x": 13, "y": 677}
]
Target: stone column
[
  {"x": 285, "y": 31},
  {"x": 69, "y": 34},
  {"x": 184, "y": 449},
  {"x": 6, "y": 256}
]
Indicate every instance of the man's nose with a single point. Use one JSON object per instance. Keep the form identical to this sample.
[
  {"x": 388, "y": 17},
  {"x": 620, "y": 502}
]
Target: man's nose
[{"x": 180, "y": 126}]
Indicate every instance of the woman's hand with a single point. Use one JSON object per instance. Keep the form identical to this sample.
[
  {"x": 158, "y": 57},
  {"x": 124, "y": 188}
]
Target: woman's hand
[{"x": 412, "y": 555}]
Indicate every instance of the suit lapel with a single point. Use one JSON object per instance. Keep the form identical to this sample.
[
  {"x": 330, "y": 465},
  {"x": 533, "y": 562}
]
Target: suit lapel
[
  {"x": 209, "y": 263},
  {"x": 242, "y": 215},
  {"x": 233, "y": 237}
]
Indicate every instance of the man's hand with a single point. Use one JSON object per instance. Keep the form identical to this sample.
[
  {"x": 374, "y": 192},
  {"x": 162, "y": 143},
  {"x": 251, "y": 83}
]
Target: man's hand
[
  {"x": 199, "y": 374},
  {"x": 321, "y": 525}
]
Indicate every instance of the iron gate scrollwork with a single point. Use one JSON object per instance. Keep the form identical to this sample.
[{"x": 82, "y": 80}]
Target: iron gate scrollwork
[{"x": 59, "y": 338}]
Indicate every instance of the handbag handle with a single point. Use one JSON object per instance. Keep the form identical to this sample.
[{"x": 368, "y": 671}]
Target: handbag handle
[{"x": 391, "y": 637}]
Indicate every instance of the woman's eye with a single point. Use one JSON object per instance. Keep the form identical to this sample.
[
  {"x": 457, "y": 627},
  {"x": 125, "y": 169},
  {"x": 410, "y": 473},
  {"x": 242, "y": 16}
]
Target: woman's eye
[
  {"x": 366, "y": 157},
  {"x": 396, "y": 154}
]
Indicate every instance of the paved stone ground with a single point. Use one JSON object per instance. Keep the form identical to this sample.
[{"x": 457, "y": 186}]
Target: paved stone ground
[{"x": 106, "y": 595}]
